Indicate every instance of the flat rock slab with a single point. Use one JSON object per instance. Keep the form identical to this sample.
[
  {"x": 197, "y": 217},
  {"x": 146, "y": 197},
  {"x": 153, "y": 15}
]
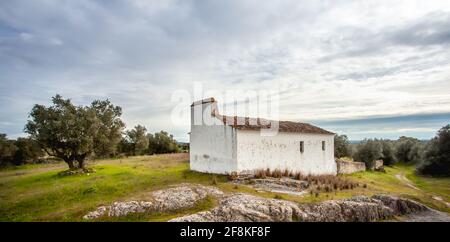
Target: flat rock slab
[
  {"x": 247, "y": 208},
  {"x": 180, "y": 197},
  {"x": 278, "y": 185}
]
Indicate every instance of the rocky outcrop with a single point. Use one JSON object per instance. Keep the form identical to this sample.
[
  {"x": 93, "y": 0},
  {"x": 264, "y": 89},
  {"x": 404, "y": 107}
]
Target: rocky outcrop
[
  {"x": 279, "y": 185},
  {"x": 180, "y": 197},
  {"x": 240, "y": 207},
  {"x": 248, "y": 208}
]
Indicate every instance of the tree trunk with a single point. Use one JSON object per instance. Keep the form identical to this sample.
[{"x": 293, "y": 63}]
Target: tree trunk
[
  {"x": 80, "y": 160},
  {"x": 70, "y": 163},
  {"x": 81, "y": 164}
]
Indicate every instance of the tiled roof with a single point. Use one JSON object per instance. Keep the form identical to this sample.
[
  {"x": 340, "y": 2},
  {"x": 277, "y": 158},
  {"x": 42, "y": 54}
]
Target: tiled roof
[{"x": 244, "y": 123}]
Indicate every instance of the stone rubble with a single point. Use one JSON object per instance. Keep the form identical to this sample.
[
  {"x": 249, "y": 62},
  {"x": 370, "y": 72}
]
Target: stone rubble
[
  {"x": 279, "y": 185},
  {"x": 180, "y": 197}
]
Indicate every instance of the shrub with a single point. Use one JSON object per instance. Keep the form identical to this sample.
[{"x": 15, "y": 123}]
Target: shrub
[
  {"x": 20, "y": 151},
  {"x": 368, "y": 151},
  {"x": 437, "y": 155},
  {"x": 388, "y": 152},
  {"x": 162, "y": 143},
  {"x": 342, "y": 146},
  {"x": 7, "y": 150},
  {"x": 409, "y": 150}
]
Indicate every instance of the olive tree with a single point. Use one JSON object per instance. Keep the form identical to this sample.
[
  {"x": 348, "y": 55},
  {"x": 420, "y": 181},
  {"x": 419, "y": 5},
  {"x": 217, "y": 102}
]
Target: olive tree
[
  {"x": 28, "y": 150},
  {"x": 137, "y": 139},
  {"x": 110, "y": 129},
  {"x": 67, "y": 131},
  {"x": 368, "y": 151},
  {"x": 409, "y": 150},
  {"x": 342, "y": 146},
  {"x": 161, "y": 143},
  {"x": 388, "y": 152},
  {"x": 437, "y": 156},
  {"x": 7, "y": 150}
]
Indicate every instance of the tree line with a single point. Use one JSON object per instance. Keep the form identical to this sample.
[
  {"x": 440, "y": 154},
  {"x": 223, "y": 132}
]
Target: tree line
[
  {"x": 138, "y": 142},
  {"x": 430, "y": 157},
  {"x": 74, "y": 133}
]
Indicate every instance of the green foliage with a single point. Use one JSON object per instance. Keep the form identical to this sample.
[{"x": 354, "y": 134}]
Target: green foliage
[
  {"x": 368, "y": 151},
  {"x": 46, "y": 195},
  {"x": 109, "y": 132},
  {"x": 71, "y": 132},
  {"x": 406, "y": 149},
  {"x": 437, "y": 156},
  {"x": 342, "y": 146},
  {"x": 161, "y": 143},
  {"x": 388, "y": 152},
  {"x": 409, "y": 150},
  {"x": 18, "y": 152},
  {"x": 28, "y": 151},
  {"x": 136, "y": 140},
  {"x": 7, "y": 150}
]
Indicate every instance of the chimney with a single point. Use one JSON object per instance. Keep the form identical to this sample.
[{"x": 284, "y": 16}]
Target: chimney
[{"x": 203, "y": 112}]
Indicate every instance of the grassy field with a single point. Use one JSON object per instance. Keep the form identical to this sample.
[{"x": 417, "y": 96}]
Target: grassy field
[{"x": 38, "y": 193}]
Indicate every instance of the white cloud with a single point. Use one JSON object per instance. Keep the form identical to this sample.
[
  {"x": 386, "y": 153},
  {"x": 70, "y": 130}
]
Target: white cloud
[{"x": 333, "y": 59}]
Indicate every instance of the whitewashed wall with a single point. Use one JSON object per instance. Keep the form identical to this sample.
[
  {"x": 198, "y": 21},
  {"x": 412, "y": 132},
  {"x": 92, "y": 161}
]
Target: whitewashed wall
[
  {"x": 283, "y": 152},
  {"x": 212, "y": 147}
]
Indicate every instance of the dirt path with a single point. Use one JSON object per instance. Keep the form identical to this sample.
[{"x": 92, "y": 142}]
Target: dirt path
[{"x": 407, "y": 182}]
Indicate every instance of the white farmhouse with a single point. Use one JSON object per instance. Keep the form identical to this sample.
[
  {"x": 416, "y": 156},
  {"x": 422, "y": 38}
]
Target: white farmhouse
[{"x": 223, "y": 144}]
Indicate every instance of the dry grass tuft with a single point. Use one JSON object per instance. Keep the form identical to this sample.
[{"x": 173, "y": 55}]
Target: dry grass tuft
[
  {"x": 233, "y": 176},
  {"x": 214, "y": 180},
  {"x": 317, "y": 183}
]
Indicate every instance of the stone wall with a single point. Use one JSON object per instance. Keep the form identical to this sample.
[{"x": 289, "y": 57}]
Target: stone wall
[
  {"x": 376, "y": 165},
  {"x": 348, "y": 167}
]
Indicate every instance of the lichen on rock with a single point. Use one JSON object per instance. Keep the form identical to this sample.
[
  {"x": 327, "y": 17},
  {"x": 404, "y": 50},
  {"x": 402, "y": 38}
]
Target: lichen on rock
[
  {"x": 247, "y": 208},
  {"x": 180, "y": 197}
]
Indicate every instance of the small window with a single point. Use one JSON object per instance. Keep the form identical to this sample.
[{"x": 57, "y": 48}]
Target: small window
[
  {"x": 302, "y": 146},
  {"x": 323, "y": 145}
]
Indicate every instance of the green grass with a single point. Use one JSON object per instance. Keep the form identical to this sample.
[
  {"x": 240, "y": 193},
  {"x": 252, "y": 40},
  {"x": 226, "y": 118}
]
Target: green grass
[
  {"x": 38, "y": 193},
  {"x": 203, "y": 205},
  {"x": 376, "y": 183}
]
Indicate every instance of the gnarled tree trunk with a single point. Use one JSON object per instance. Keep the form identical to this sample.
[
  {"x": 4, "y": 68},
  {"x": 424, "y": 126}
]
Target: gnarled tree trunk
[
  {"x": 81, "y": 161},
  {"x": 69, "y": 161}
]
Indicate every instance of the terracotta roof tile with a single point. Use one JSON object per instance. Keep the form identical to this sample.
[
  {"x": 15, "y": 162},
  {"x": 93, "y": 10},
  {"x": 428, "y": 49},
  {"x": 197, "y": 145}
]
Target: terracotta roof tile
[{"x": 246, "y": 123}]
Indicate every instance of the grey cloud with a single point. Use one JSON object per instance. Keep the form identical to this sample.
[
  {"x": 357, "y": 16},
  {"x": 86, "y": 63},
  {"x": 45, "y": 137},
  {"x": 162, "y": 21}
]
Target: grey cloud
[
  {"x": 137, "y": 52},
  {"x": 433, "y": 29},
  {"x": 430, "y": 30}
]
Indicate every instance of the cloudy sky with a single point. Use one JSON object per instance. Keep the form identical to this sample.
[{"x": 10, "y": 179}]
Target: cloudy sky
[{"x": 364, "y": 68}]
